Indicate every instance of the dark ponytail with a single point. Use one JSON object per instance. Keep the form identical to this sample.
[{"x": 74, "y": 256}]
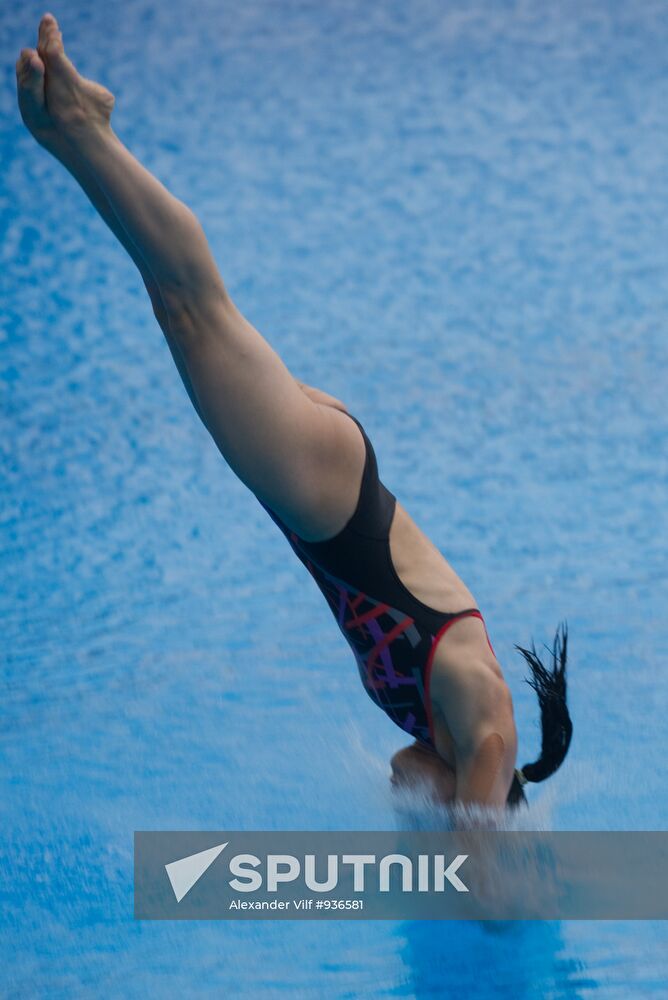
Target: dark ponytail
[{"x": 556, "y": 726}]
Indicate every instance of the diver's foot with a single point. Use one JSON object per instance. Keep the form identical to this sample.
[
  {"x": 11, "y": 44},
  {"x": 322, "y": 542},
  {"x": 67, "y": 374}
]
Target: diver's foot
[
  {"x": 30, "y": 90},
  {"x": 73, "y": 103}
]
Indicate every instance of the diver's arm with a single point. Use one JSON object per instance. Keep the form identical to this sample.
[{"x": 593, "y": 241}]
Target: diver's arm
[
  {"x": 484, "y": 771},
  {"x": 476, "y": 705}
]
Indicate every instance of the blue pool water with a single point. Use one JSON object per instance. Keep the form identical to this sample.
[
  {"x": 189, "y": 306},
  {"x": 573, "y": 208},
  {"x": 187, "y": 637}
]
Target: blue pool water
[{"x": 453, "y": 217}]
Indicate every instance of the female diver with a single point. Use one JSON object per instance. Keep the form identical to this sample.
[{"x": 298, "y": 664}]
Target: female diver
[{"x": 419, "y": 641}]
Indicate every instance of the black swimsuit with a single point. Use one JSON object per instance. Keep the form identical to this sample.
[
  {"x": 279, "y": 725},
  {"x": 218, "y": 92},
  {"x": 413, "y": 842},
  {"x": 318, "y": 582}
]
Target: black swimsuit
[{"x": 392, "y": 634}]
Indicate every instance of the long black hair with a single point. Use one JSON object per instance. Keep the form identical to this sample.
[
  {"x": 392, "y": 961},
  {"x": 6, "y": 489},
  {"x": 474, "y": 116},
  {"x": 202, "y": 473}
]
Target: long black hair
[{"x": 549, "y": 683}]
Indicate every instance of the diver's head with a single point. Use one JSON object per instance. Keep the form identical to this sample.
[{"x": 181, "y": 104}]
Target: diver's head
[
  {"x": 549, "y": 683},
  {"x": 418, "y": 764}
]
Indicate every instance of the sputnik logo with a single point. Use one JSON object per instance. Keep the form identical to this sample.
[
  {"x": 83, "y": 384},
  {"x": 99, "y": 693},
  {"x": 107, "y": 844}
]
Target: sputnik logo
[{"x": 184, "y": 873}]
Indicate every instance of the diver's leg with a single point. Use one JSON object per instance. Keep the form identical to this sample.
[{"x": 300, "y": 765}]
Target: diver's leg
[
  {"x": 167, "y": 233},
  {"x": 294, "y": 454},
  {"x": 30, "y": 85}
]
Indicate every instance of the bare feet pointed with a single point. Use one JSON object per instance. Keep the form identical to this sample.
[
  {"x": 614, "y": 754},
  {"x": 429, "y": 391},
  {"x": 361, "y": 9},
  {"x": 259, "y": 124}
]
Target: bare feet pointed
[
  {"x": 30, "y": 90},
  {"x": 72, "y": 102}
]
